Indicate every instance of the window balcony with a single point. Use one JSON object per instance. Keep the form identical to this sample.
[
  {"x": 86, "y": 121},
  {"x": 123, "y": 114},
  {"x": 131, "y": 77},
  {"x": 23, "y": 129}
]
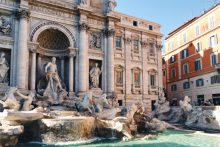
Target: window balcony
[
  {"x": 136, "y": 89},
  {"x": 135, "y": 53},
  {"x": 152, "y": 57},
  {"x": 153, "y": 89},
  {"x": 120, "y": 88},
  {"x": 119, "y": 51}
]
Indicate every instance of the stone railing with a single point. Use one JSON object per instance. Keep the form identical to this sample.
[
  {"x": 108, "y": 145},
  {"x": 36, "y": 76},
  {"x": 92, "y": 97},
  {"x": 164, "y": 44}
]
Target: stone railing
[
  {"x": 120, "y": 87},
  {"x": 153, "y": 89},
  {"x": 119, "y": 51},
  {"x": 217, "y": 67},
  {"x": 136, "y": 53},
  {"x": 136, "y": 89}
]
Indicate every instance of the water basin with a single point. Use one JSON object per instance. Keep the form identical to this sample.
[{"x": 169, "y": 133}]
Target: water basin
[{"x": 170, "y": 138}]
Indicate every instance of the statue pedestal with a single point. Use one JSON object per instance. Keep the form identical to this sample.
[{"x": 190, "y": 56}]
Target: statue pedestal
[{"x": 96, "y": 91}]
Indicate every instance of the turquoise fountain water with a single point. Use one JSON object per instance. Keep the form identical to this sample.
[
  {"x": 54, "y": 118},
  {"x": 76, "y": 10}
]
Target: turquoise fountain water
[{"x": 170, "y": 138}]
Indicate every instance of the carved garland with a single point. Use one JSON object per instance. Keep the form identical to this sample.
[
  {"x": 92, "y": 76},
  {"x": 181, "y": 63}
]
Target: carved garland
[
  {"x": 50, "y": 23},
  {"x": 127, "y": 41},
  {"x": 144, "y": 44},
  {"x": 159, "y": 47}
]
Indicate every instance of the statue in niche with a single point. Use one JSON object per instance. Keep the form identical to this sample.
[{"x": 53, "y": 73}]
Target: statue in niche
[
  {"x": 95, "y": 40},
  {"x": 5, "y": 26},
  {"x": 54, "y": 92},
  {"x": 111, "y": 5},
  {"x": 94, "y": 76},
  {"x": 4, "y": 67},
  {"x": 84, "y": 2},
  {"x": 52, "y": 76}
]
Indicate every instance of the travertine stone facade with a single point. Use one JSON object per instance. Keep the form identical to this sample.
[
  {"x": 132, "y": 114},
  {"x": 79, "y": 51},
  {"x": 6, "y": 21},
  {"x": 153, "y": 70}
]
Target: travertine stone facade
[{"x": 80, "y": 33}]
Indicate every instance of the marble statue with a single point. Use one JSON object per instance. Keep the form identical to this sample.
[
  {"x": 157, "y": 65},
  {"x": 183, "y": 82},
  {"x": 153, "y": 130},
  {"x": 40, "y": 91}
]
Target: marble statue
[
  {"x": 162, "y": 108},
  {"x": 101, "y": 100},
  {"x": 52, "y": 76},
  {"x": 9, "y": 99},
  {"x": 111, "y": 5},
  {"x": 84, "y": 2},
  {"x": 84, "y": 105},
  {"x": 4, "y": 67},
  {"x": 5, "y": 26},
  {"x": 94, "y": 76},
  {"x": 28, "y": 100},
  {"x": 54, "y": 92}
]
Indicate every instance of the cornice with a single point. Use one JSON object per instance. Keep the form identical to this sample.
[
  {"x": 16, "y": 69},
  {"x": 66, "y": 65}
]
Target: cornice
[{"x": 139, "y": 29}]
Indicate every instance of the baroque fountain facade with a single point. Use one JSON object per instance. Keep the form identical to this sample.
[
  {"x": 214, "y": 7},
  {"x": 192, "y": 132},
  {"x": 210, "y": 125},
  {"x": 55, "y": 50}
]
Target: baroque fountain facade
[{"x": 77, "y": 70}]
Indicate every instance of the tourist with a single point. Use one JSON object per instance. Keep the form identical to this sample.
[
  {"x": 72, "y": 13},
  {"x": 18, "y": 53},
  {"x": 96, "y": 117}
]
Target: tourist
[{"x": 212, "y": 104}]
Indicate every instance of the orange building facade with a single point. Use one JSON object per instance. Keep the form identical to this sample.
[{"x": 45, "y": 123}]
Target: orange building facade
[{"x": 190, "y": 60}]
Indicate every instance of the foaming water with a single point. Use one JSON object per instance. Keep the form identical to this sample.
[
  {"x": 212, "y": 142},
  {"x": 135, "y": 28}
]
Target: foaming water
[{"x": 170, "y": 138}]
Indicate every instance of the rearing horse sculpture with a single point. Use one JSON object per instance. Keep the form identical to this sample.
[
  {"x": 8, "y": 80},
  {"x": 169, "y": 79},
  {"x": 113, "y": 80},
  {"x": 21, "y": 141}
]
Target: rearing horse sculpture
[{"x": 84, "y": 105}]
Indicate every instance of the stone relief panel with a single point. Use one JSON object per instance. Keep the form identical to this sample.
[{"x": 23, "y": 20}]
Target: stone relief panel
[
  {"x": 95, "y": 40},
  {"x": 97, "y": 5},
  {"x": 96, "y": 22},
  {"x": 5, "y": 25}
]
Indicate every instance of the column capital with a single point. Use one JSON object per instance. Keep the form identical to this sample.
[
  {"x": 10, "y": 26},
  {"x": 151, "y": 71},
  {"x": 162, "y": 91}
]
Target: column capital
[
  {"x": 109, "y": 32},
  {"x": 127, "y": 40},
  {"x": 71, "y": 55},
  {"x": 144, "y": 44},
  {"x": 33, "y": 50},
  {"x": 83, "y": 26},
  {"x": 159, "y": 47},
  {"x": 22, "y": 13},
  {"x": 40, "y": 55}
]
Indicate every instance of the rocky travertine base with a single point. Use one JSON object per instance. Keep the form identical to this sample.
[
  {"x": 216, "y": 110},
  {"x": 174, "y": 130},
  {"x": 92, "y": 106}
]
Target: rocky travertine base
[
  {"x": 9, "y": 135},
  {"x": 15, "y": 118},
  {"x": 65, "y": 129}
]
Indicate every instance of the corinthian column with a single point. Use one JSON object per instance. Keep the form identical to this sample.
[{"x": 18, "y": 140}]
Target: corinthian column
[
  {"x": 62, "y": 67},
  {"x": 110, "y": 60},
  {"x": 23, "y": 15},
  {"x": 71, "y": 71},
  {"x": 33, "y": 68},
  {"x": 83, "y": 27}
]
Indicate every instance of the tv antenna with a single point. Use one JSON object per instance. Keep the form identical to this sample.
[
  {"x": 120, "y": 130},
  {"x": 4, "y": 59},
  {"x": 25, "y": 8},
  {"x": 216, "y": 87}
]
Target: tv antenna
[{"x": 205, "y": 4}]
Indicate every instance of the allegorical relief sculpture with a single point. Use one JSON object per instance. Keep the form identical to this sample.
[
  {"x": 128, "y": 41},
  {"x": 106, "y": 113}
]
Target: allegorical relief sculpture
[
  {"x": 54, "y": 91},
  {"x": 5, "y": 26},
  {"x": 84, "y": 2},
  {"x": 4, "y": 67},
  {"x": 94, "y": 76},
  {"x": 111, "y": 5},
  {"x": 95, "y": 40}
]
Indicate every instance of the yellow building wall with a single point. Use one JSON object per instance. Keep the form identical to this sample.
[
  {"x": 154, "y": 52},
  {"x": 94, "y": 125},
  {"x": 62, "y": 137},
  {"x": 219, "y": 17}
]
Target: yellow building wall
[
  {"x": 190, "y": 33},
  {"x": 217, "y": 17}
]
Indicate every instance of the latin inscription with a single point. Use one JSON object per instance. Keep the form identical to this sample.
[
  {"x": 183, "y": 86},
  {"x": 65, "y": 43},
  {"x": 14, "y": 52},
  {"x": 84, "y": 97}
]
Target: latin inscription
[
  {"x": 52, "y": 12},
  {"x": 9, "y": 2},
  {"x": 96, "y": 22}
]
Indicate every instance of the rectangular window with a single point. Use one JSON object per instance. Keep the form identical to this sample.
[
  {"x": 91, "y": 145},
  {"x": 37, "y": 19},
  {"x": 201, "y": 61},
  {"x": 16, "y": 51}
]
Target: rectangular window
[
  {"x": 119, "y": 78},
  {"x": 197, "y": 30},
  {"x": 198, "y": 47},
  {"x": 199, "y": 82},
  {"x": 198, "y": 65},
  {"x": 164, "y": 61},
  {"x": 185, "y": 67},
  {"x": 152, "y": 80},
  {"x": 173, "y": 88},
  {"x": 173, "y": 73},
  {"x": 212, "y": 22},
  {"x": 151, "y": 48},
  {"x": 215, "y": 79},
  {"x": 213, "y": 59},
  {"x": 150, "y": 27},
  {"x": 136, "y": 78},
  {"x": 184, "y": 38},
  {"x": 184, "y": 53},
  {"x": 118, "y": 41},
  {"x": 164, "y": 73},
  {"x": 186, "y": 85},
  {"x": 172, "y": 45},
  {"x": 135, "y": 45},
  {"x": 172, "y": 59},
  {"x": 212, "y": 41},
  {"x": 134, "y": 23}
]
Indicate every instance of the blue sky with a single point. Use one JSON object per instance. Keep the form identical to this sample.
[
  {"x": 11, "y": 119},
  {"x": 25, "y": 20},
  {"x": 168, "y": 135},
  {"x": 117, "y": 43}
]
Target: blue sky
[{"x": 171, "y": 14}]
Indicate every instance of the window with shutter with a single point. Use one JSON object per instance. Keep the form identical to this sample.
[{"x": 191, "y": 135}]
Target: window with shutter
[
  {"x": 213, "y": 59},
  {"x": 197, "y": 30},
  {"x": 185, "y": 68},
  {"x": 212, "y": 22},
  {"x": 198, "y": 47},
  {"x": 135, "y": 45},
  {"x": 118, "y": 41},
  {"x": 173, "y": 73}
]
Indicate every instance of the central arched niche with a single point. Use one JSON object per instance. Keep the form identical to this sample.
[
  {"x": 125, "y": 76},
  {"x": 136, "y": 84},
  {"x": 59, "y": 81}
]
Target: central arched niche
[{"x": 53, "y": 39}]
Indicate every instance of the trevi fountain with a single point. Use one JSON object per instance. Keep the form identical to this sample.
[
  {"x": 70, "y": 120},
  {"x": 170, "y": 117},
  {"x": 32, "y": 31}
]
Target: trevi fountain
[{"x": 65, "y": 82}]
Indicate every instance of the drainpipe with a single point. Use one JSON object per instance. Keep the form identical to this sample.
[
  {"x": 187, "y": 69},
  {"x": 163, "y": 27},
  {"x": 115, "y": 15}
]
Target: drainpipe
[
  {"x": 125, "y": 74},
  {"x": 157, "y": 69}
]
